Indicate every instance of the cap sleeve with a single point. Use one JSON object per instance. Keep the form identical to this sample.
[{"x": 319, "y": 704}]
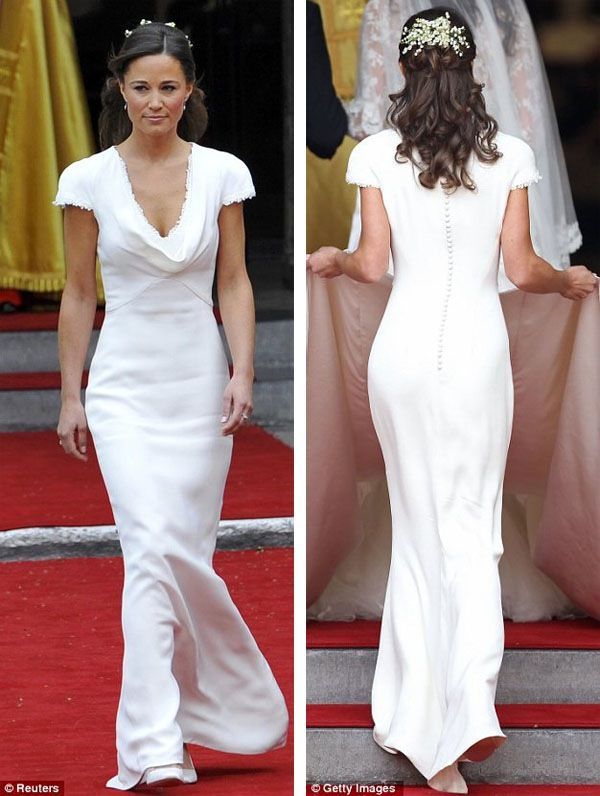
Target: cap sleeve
[
  {"x": 237, "y": 182},
  {"x": 524, "y": 168},
  {"x": 74, "y": 187},
  {"x": 360, "y": 171}
]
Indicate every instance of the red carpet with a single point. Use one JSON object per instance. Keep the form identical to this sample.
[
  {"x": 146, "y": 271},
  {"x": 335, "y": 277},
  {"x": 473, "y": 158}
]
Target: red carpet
[
  {"x": 37, "y": 321},
  {"x": 563, "y": 634},
  {"x": 577, "y": 716},
  {"x": 61, "y": 670},
  {"x": 41, "y": 380},
  {"x": 42, "y": 486}
]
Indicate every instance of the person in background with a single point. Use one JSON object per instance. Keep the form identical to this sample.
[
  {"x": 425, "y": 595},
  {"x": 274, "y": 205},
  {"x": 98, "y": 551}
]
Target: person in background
[{"x": 326, "y": 120}]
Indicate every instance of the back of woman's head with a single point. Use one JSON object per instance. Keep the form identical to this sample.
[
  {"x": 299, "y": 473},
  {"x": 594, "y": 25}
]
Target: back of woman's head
[
  {"x": 150, "y": 38},
  {"x": 440, "y": 113}
]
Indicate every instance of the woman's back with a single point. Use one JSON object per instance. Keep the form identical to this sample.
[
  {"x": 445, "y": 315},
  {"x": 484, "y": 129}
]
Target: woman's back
[{"x": 428, "y": 225}]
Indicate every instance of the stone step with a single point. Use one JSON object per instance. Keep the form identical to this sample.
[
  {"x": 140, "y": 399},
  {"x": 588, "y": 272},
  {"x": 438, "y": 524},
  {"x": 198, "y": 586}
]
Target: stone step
[
  {"x": 526, "y": 676},
  {"x": 551, "y": 744},
  {"x": 555, "y": 634},
  {"x": 23, "y": 351},
  {"x": 38, "y": 409},
  {"x": 30, "y": 400},
  {"x": 27, "y": 544}
]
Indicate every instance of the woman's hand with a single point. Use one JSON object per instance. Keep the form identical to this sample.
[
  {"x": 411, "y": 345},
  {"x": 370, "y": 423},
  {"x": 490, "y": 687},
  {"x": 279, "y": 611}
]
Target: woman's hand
[
  {"x": 237, "y": 403},
  {"x": 323, "y": 262},
  {"x": 578, "y": 282},
  {"x": 72, "y": 429}
]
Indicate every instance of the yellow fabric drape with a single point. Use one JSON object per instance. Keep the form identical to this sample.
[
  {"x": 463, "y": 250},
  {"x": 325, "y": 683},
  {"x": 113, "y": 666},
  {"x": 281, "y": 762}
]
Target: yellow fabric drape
[
  {"x": 329, "y": 200},
  {"x": 341, "y": 25},
  {"x": 44, "y": 126}
]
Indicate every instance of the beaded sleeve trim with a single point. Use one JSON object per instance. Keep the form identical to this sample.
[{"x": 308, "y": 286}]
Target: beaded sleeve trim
[
  {"x": 64, "y": 202},
  {"x": 361, "y": 184},
  {"x": 239, "y": 197},
  {"x": 534, "y": 178}
]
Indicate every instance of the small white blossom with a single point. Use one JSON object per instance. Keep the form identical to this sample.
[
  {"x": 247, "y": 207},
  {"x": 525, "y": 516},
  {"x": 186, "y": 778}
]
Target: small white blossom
[
  {"x": 435, "y": 32},
  {"x": 149, "y": 22}
]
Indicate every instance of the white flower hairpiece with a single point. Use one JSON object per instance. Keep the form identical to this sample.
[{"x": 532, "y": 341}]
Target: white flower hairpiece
[
  {"x": 436, "y": 32},
  {"x": 149, "y": 22}
]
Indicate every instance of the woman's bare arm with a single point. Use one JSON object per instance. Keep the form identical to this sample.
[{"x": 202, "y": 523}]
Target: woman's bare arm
[
  {"x": 524, "y": 268},
  {"x": 236, "y": 305},
  {"x": 369, "y": 262},
  {"x": 75, "y": 322}
]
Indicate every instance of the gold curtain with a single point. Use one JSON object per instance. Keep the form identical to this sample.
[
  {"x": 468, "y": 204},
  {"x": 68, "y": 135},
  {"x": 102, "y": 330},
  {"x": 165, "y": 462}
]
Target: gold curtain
[
  {"x": 44, "y": 126},
  {"x": 329, "y": 200}
]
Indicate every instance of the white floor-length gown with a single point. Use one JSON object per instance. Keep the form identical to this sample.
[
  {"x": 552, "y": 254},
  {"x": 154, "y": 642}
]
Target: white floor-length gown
[
  {"x": 192, "y": 671},
  {"x": 441, "y": 395}
]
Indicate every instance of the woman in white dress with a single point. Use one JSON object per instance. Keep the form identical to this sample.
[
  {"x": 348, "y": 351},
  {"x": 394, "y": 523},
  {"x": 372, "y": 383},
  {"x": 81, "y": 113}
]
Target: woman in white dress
[
  {"x": 444, "y": 190},
  {"x": 545, "y": 570},
  {"x": 164, "y": 214}
]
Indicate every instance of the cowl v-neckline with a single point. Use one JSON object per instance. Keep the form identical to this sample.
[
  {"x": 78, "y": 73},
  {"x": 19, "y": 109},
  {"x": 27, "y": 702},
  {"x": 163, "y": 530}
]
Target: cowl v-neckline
[{"x": 140, "y": 211}]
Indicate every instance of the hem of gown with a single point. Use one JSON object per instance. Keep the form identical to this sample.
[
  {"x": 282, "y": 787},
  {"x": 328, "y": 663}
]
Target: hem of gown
[
  {"x": 478, "y": 736},
  {"x": 115, "y": 782}
]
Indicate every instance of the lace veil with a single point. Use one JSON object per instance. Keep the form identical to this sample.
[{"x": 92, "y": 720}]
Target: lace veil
[{"x": 516, "y": 91}]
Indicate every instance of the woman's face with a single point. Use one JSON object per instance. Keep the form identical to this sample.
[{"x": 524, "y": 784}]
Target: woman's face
[{"x": 155, "y": 90}]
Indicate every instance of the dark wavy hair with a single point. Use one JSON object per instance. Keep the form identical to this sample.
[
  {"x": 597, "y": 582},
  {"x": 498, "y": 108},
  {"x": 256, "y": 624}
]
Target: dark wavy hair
[
  {"x": 155, "y": 38},
  {"x": 440, "y": 113}
]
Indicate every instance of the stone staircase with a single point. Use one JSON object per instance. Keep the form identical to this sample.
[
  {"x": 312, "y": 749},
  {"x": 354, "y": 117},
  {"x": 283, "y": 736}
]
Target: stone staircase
[
  {"x": 548, "y": 703},
  {"x": 30, "y": 378}
]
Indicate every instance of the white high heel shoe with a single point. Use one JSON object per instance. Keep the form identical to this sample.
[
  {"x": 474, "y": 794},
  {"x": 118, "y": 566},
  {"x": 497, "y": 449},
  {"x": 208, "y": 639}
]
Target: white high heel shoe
[
  {"x": 174, "y": 774},
  {"x": 165, "y": 776}
]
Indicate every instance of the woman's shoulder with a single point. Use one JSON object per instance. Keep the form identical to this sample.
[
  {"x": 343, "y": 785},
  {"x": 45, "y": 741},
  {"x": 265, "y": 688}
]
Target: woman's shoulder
[
  {"x": 511, "y": 144},
  {"x": 380, "y": 142},
  {"x": 78, "y": 180},
  {"x": 91, "y": 162},
  {"x": 518, "y": 161},
  {"x": 376, "y": 149},
  {"x": 219, "y": 157},
  {"x": 230, "y": 175},
  {"x": 86, "y": 169}
]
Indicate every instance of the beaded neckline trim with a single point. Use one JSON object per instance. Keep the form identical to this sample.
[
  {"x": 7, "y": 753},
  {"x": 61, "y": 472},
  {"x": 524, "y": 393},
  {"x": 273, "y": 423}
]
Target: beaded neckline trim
[{"x": 138, "y": 207}]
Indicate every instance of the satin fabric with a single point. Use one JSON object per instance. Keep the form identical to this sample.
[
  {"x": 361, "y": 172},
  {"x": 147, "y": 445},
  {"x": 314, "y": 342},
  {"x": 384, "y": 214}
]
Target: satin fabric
[
  {"x": 551, "y": 507},
  {"x": 551, "y": 473},
  {"x": 192, "y": 672}
]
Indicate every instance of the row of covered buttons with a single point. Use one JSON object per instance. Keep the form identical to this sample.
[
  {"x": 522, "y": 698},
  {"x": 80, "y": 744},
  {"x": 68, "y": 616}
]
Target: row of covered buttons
[{"x": 449, "y": 279}]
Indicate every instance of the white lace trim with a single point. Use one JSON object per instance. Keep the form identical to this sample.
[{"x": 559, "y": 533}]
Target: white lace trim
[
  {"x": 361, "y": 184},
  {"x": 527, "y": 181},
  {"x": 64, "y": 202},
  {"x": 140, "y": 211},
  {"x": 250, "y": 194}
]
